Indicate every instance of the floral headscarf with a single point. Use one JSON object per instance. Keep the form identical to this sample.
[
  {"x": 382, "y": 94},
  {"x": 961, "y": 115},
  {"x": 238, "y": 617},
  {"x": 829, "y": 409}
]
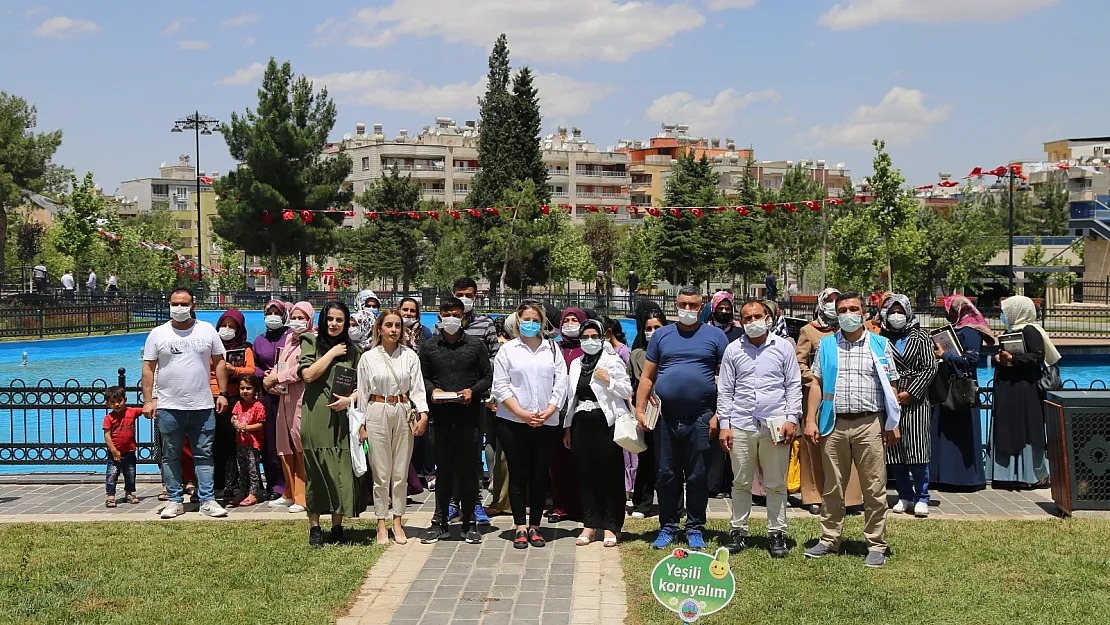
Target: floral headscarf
[
  {"x": 911, "y": 319},
  {"x": 968, "y": 316},
  {"x": 365, "y": 322},
  {"x": 819, "y": 319}
]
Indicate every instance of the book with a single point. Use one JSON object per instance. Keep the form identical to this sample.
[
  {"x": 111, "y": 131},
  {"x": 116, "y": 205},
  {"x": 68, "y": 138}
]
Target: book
[
  {"x": 653, "y": 411},
  {"x": 344, "y": 384},
  {"x": 775, "y": 425},
  {"x": 1012, "y": 342},
  {"x": 946, "y": 339},
  {"x": 446, "y": 395},
  {"x": 236, "y": 357}
]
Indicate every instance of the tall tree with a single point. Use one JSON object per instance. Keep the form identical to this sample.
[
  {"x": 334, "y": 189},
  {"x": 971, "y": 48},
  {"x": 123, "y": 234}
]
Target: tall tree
[
  {"x": 527, "y": 158},
  {"x": 890, "y": 204},
  {"x": 24, "y": 157},
  {"x": 394, "y": 243},
  {"x": 739, "y": 241},
  {"x": 685, "y": 253},
  {"x": 76, "y": 234},
  {"x": 602, "y": 238},
  {"x": 495, "y": 110},
  {"x": 280, "y": 148},
  {"x": 795, "y": 236}
]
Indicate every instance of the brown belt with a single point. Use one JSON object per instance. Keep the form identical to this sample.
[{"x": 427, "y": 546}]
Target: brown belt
[
  {"x": 391, "y": 399},
  {"x": 857, "y": 415}
]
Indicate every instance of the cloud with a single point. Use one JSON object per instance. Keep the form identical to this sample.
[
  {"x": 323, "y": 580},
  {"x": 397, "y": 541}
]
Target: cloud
[
  {"x": 571, "y": 30},
  {"x": 65, "y": 28},
  {"x": 250, "y": 40},
  {"x": 855, "y": 14},
  {"x": 190, "y": 44},
  {"x": 239, "y": 20},
  {"x": 723, "y": 5},
  {"x": 560, "y": 96},
  {"x": 901, "y": 118},
  {"x": 176, "y": 25},
  {"x": 33, "y": 11},
  {"x": 244, "y": 75},
  {"x": 706, "y": 115}
]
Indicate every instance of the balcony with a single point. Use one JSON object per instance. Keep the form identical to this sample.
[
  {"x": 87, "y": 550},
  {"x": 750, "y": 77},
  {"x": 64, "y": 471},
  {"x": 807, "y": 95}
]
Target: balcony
[
  {"x": 601, "y": 174},
  {"x": 604, "y": 196},
  {"x": 467, "y": 170},
  {"x": 553, "y": 172},
  {"x": 560, "y": 194},
  {"x": 433, "y": 192}
]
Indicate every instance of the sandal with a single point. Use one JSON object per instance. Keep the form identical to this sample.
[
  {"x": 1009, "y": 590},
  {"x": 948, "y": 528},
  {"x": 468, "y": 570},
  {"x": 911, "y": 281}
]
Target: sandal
[
  {"x": 163, "y": 496},
  {"x": 521, "y": 540},
  {"x": 110, "y": 502},
  {"x": 534, "y": 538},
  {"x": 610, "y": 541},
  {"x": 584, "y": 539},
  {"x": 249, "y": 500},
  {"x": 131, "y": 498}
]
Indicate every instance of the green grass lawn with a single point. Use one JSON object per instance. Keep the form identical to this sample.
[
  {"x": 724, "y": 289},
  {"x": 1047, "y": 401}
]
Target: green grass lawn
[
  {"x": 1052, "y": 571},
  {"x": 198, "y": 572}
]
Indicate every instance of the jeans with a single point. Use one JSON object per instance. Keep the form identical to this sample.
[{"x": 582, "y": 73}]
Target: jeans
[
  {"x": 911, "y": 481},
  {"x": 682, "y": 446},
  {"x": 200, "y": 427},
  {"x": 126, "y": 466}
]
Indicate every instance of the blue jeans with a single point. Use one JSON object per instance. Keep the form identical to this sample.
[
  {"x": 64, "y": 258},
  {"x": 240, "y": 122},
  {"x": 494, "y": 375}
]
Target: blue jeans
[
  {"x": 200, "y": 427},
  {"x": 682, "y": 447},
  {"x": 911, "y": 481},
  {"x": 126, "y": 466}
]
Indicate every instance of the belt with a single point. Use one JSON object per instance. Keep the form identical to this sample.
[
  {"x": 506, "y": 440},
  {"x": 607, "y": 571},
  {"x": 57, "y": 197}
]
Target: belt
[
  {"x": 391, "y": 399},
  {"x": 857, "y": 415},
  {"x": 586, "y": 406}
]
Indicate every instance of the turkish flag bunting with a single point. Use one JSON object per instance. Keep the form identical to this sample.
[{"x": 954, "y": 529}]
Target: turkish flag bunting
[
  {"x": 948, "y": 184},
  {"x": 790, "y": 207},
  {"x": 978, "y": 171},
  {"x": 206, "y": 179},
  {"x": 924, "y": 187},
  {"x": 434, "y": 215},
  {"x": 811, "y": 204},
  {"x": 861, "y": 198},
  {"x": 306, "y": 216},
  {"x": 634, "y": 210},
  {"x": 836, "y": 201},
  {"x": 491, "y": 211},
  {"x": 677, "y": 212},
  {"x": 697, "y": 212},
  {"x": 1063, "y": 166},
  {"x": 266, "y": 218},
  {"x": 567, "y": 207},
  {"x": 453, "y": 213},
  {"x": 413, "y": 214},
  {"x": 654, "y": 212},
  {"x": 997, "y": 171},
  {"x": 767, "y": 207},
  {"x": 545, "y": 209},
  {"x": 591, "y": 208},
  {"x": 473, "y": 212},
  {"x": 611, "y": 209},
  {"x": 743, "y": 210},
  {"x": 720, "y": 209},
  {"x": 287, "y": 214},
  {"x": 372, "y": 215},
  {"x": 349, "y": 214}
]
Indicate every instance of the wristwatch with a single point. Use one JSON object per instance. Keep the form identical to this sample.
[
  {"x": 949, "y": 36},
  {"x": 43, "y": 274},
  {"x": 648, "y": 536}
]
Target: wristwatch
[{"x": 225, "y": 395}]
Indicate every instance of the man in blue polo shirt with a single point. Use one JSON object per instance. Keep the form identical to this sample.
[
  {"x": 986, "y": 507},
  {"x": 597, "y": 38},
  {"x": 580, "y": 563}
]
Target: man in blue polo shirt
[{"x": 680, "y": 368}]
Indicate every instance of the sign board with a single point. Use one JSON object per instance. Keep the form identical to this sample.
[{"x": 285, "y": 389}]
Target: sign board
[{"x": 693, "y": 584}]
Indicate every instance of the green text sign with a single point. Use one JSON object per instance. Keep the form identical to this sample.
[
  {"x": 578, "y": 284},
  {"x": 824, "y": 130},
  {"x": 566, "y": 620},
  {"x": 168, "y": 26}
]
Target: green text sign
[{"x": 693, "y": 584}]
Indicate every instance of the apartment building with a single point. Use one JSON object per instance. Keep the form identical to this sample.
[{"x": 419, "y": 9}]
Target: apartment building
[
  {"x": 175, "y": 188},
  {"x": 1083, "y": 150}
]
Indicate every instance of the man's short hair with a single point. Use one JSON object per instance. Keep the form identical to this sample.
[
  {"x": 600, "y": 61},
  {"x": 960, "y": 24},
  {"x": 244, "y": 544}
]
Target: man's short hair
[
  {"x": 689, "y": 290},
  {"x": 755, "y": 300},
  {"x": 464, "y": 283},
  {"x": 848, "y": 295},
  {"x": 450, "y": 302},
  {"x": 182, "y": 289}
]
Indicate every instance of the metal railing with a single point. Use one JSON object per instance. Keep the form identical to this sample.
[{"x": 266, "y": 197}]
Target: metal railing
[{"x": 101, "y": 316}]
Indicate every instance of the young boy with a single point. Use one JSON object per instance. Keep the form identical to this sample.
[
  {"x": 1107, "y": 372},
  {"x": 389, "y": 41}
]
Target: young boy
[{"x": 119, "y": 436}]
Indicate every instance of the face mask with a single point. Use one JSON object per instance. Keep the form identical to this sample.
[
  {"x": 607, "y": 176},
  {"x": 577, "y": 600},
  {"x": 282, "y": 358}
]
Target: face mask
[
  {"x": 850, "y": 322},
  {"x": 687, "y": 317},
  {"x": 1002, "y": 318},
  {"x": 371, "y": 312},
  {"x": 273, "y": 322},
  {"x": 722, "y": 317},
  {"x": 529, "y": 328},
  {"x": 591, "y": 346},
  {"x": 571, "y": 330},
  {"x": 756, "y": 329},
  {"x": 180, "y": 314},
  {"x": 298, "y": 326},
  {"x": 356, "y": 333},
  {"x": 226, "y": 334},
  {"x": 468, "y": 304},
  {"x": 896, "y": 321},
  {"x": 648, "y": 334},
  {"x": 450, "y": 325},
  {"x": 410, "y": 321},
  {"x": 829, "y": 310}
]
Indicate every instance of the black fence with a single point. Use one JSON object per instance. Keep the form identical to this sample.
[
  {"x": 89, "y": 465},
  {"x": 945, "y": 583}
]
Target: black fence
[{"x": 29, "y": 320}]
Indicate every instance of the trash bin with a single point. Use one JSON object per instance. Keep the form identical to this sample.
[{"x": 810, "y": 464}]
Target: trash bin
[{"x": 1078, "y": 424}]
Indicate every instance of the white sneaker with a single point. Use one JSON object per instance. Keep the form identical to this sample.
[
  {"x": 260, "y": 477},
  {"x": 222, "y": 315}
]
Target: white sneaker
[
  {"x": 296, "y": 508},
  {"x": 638, "y": 515},
  {"x": 171, "y": 510},
  {"x": 921, "y": 509},
  {"x": 903, "y": 505},
  {"x": 281, "y": 503},
  {"x": 212, "y": 509}
]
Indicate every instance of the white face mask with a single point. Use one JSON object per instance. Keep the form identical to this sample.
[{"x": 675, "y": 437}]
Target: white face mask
[
  {"x": 181, "y": 314},
  {"x": 299, "y": 326},
  {"x": 850, "y": 322},
  {"x": 410, "y": 321},
  {"x": 687, "y": 317},
  {"x": 896, "y": 321},
  {"x": 468, "y": 304},
  {"x": 273, "y": 322},
  {"x": 756, "y": 329},
  {"x": 371, "y": 312},
  {"x": 591, "y": 346},
  {"x": 649, "y": 334},
  {"x": 829, "y": 310},
  {"x": 226, "y": 334},
  {"x": 450, "y": 325},
  {"x": 356, "y": 333},
  {"x": 571, "y": 330}
]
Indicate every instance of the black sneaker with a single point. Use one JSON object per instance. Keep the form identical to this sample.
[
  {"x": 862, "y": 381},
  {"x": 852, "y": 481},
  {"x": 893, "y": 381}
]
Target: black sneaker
[
  {"x": 735, "y": 542},
  {"x": 434, "y": 534},
  {"x": 474, "y": 537},
  {"x": 777, "y": 546},
  {"x": 315, "y": 537},
  {"x": 335, "y": 536}
]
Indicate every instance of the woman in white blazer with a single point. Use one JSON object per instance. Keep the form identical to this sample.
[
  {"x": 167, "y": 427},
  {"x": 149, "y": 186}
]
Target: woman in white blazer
[{"x": 598, "y": 389}]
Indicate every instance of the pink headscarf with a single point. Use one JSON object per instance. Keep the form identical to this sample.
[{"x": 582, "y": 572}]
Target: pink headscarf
[
  {"x": 306, "y": 308},
  {"x": 968, "y": 316},
  {"x": 714, "y": 301}
]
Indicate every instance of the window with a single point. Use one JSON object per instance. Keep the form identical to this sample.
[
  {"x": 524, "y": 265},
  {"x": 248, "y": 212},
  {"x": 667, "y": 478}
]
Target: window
[
  {"x": 182, "y": 194},
  {"x": 185, "y": 242},
  {"x": 462, "y": 187},
  {"x": 160, "y": 189},
  {"x": 365, "y": 163},
  {"x": 184, "y": 224}
]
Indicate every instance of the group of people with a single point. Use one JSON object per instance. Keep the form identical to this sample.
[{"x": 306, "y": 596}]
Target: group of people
[
  {"x": 342, "y": 408},
  {"x": 69, "y": 283}
]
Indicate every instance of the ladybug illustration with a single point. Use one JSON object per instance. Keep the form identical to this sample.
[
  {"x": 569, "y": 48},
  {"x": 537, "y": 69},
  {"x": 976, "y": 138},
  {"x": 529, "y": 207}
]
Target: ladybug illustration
[{"x": 680, "y": 554}]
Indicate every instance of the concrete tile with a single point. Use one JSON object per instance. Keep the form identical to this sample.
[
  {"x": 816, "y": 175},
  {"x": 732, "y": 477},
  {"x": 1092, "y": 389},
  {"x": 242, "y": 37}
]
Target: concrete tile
[
  {"x": 556, "y": 605},
  {"x": 550, "y": 618},
  {"x": 409, "y": 612},
  {"x": 560, "y": 580},
  {"x": 531, "y": 597},
  {"x": 447, "y": 592}
]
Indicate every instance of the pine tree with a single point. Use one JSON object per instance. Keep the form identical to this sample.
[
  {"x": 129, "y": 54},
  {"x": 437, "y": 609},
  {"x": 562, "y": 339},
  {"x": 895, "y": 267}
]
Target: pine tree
[
  {"x": 526, "y": 125},
  {"x": 739, "y": 242},
  {"x": 280, "y": 148},
  {"x": 392, "y": 244},
  {"x": 685, "y": 250},
  {"x": 495, "y": 132}
]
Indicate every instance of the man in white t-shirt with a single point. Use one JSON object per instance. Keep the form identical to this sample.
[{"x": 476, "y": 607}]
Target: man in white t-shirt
[
  {"x": 181, "y": 350},
  {"x": 68, "y": 286}
]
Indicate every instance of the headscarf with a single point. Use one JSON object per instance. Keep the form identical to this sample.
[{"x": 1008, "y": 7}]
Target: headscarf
[
  {"x": 819, "y": 315},
  {"x": 306, "y": 308},
  {"x": 590, "y": 362},
  {"x": 779, "y": 326},
  {"x": 572, "y": 347},
  {"x": 240, "y": 339},
  {"x": 1020, "y": 311},
  {"x": 645, "y": 310},
  {"x": 715, "y": 301},
  {"x": 288, "y": 308},
  {"x": 325, "y": 341},
  {"x": 899, "y": 337},
  {"x": 275, "y": 334},
  {"x": 511, "y": 325},
  {"x": 968, "y": 316},
  {"x": 364, "y": 295},
  {"x": 366, "y": 323}
]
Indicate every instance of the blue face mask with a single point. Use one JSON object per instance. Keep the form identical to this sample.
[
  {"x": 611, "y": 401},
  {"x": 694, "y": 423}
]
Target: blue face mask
[
  {"x": 530, "y": 328},
  {"x": 1002, "y": 318}
]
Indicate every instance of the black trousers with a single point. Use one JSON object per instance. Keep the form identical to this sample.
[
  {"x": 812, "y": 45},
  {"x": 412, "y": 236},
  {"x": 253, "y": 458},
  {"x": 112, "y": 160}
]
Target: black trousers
[
  {"x": 527, "y": 450},
  {"x": 483, "y": 427},
  {"x": 599, "y": 463},
  {"x": 643, "y": 490},
  {"x": 455, "y": 445}
]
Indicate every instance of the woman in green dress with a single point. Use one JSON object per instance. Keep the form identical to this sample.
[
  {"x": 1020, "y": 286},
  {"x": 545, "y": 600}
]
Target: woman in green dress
[{"x": 330, "y": 485}]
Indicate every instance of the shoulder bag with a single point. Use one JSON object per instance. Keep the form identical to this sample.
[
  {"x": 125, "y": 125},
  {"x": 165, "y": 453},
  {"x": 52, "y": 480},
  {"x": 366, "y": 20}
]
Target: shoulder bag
[
  {"x": 411, "y": 416},
  {"x": 1050, "y": 379}
]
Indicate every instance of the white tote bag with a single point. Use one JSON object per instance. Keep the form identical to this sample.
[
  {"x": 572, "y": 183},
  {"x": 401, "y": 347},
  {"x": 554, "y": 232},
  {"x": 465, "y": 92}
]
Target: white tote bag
[
  {"x": 355, "y": 419},
  {"x": 627, "y": 434}
]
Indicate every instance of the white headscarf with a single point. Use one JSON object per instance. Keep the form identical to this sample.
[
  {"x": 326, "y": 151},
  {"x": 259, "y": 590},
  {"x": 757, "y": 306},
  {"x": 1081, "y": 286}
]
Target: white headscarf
[{"x": 1020, "y": 311}]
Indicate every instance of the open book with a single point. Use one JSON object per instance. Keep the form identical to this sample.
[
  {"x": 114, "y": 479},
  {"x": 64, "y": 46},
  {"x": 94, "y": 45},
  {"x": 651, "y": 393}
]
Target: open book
[{"x": 946, "y": 339}]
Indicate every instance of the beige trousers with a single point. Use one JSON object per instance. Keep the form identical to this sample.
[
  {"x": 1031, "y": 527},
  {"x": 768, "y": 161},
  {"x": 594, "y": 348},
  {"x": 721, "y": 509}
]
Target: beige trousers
[
  {"x": 391, "y": 443},
  {"x": 751, "y": 450},
  {"x": 855, "y": 442}
]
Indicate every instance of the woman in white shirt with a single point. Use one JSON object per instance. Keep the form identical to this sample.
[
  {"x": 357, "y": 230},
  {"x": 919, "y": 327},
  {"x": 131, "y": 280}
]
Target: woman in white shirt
[
  {"x": 529, "y": 385},
  {"x": 598, "y": 389},
  {"x": 389, "y": 381}
]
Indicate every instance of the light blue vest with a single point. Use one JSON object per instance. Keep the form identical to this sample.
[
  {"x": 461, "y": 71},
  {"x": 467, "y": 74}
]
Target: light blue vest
[{"x": 828, "y": 352}]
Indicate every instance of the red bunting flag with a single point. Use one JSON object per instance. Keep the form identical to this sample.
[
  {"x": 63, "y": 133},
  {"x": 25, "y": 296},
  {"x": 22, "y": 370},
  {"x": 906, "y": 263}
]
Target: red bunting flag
[
  {"x": 948, "y": 184},
  {"x": 790, "y": 207},
  {"x": 923, "y": 187},
  {"x": 567, "y": 207},
  {"x": 697, "y": 212},
  {"x": 975, "y": 173},
  {"x": 997, "y": 171},
  {"x": 677, "y": 212},
  {"x": 1063, "y": 166},
  {"x": 306, "y": 216},
  {"x": 545, "y": 209},
  {"x": 720, "y": 209},
  {"x": 287, "y": 214},
  {"x": 372, "y": 215},
  {"x": 591, "y": 208},
  {"x": 767, "y": 207},
  {"x": 634, "y": 210},
  {"x": 743, "y": 210},
  {"x": 349, "y": 214},
  {"x": 206, "y": 179},
  {"x": 266, "y": 218},
  {"x": 836, "y": 201},
  {"x": 611, "y": 209},
  {"x": 654, "y": 212},
  {"x": 812, "y": 205},
  {"x": 434, "y": 215},
  {"x": 861, "y": 198},
  {"x": 453, "y": 213},
  {"x": 473, "y": 212},
  {"x": 413, "y": 214},
  {"x": 491, "y": 211}
]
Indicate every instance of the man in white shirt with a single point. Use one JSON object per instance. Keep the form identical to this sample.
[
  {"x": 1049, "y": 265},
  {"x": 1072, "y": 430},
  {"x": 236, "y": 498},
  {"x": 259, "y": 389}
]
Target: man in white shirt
[
  {"x": 760, "y": 386},
  {"x": 181, "y": 350},
  {"x": 69, "y": 286}
]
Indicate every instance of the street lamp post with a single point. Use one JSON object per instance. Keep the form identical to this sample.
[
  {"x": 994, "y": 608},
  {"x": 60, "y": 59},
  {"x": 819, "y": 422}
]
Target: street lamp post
[{"x": 200, "y": 125}]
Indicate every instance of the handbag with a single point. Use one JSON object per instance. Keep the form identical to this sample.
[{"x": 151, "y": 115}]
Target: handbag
[
  {"x": 1050, "y": 379},
  {"x": 627, "y": 433},
  {"x": 411, "y": 416},
  {"x": 355, "y": 419},
  {"x": 963, "y": 391}
]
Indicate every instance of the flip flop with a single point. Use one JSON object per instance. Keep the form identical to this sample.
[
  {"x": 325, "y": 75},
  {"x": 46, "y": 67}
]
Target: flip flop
[
  {"x": 110, "y": 502},
  {"x": 133, "y": 499},
  {"x": 163, "y": 496}
]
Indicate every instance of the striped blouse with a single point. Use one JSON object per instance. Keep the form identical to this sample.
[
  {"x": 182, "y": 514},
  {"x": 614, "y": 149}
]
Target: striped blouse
[{"x": 917, "y": 364}]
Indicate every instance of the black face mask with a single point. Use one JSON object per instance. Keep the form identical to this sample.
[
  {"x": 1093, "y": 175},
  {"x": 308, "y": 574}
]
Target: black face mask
[{"x": 722, "y": 317}]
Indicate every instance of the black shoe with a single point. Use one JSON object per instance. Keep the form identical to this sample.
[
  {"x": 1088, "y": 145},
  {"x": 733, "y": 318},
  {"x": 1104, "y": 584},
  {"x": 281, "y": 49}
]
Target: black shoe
[
  {"x": 315, "y": 537},
  {"x": 434, "y": 534},
  {"x": 335, "y": 536},
  {"x": 534, "y": 538},
  {"x": 474, "y": 537},
  {"x": 814, "y": 509},
  {"x": 520, "y": 541},
  {"x": 759, "y": 500},
  {"x": 777, "y": 546},
  {"x": 555, "y": 518},
  {"x": 735, "y": 542}
]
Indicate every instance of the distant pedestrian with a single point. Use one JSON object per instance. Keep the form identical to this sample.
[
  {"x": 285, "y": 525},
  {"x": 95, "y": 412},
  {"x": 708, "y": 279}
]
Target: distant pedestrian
[
  {"x": 90, "y": 284},
  {"x": 633, "y": 282},
  {"x": 119, "y": 436},
  {"x": 69, "y": 286},
  {"x": 772, "y": 285},
  {"x": 39, "y": 276},
  {"x": 113, "y": 282}
]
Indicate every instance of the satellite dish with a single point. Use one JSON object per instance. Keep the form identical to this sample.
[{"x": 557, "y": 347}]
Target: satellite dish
[{"x": 163, "y": 164}]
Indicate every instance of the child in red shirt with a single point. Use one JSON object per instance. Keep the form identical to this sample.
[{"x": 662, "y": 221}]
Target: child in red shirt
[
  {"x": 119, "y": 436},
  {"x": 247, "y": 418}
]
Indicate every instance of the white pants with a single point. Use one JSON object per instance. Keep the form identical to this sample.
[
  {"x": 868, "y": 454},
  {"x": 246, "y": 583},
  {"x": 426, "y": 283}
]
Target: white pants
[
  {"x": 747, "y": 449},
  {"x": 390, "y": 453}
]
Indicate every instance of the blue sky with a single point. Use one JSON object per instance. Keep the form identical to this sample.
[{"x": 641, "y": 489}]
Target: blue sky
[{"x": 950, "y": 84}]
